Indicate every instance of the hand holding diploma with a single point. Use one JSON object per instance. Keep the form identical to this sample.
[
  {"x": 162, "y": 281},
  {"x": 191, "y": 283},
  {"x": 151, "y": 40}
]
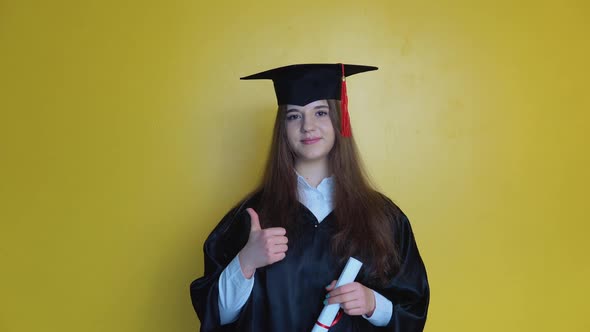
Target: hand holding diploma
[
  {"x": 264, "y": 246},
  {"x": 324, "y": 322},
  {"x": 354, "y": 298}
]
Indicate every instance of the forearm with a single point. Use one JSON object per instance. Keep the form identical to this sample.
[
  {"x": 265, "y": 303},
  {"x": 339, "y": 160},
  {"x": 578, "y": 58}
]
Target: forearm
[{"x": 234, "y": 291}]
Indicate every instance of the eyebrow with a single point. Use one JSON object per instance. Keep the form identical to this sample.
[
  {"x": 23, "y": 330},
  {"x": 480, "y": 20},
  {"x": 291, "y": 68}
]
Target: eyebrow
[{"x": 315, "y": 108}]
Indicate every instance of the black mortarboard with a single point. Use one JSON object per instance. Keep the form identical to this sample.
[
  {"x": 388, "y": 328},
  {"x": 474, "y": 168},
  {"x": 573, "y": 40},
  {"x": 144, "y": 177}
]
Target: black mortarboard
[{"x": 301, "y": 84}]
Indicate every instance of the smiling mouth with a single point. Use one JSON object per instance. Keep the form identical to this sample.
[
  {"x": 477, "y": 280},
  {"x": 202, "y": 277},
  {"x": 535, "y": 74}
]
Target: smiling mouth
[{"x": 310, "y": 140}]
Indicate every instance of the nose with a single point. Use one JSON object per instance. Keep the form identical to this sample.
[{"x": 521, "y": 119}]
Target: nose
[{"x": 308, "y": 124}]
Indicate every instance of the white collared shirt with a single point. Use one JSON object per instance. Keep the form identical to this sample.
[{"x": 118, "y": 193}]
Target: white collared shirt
[
  {"x": 235, "y": 289},
  {"x": 317, "y": 200}
]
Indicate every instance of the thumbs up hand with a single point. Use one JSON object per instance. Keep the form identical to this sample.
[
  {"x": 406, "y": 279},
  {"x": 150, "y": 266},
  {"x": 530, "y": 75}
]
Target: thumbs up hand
[{"x": 264, "y": 246}]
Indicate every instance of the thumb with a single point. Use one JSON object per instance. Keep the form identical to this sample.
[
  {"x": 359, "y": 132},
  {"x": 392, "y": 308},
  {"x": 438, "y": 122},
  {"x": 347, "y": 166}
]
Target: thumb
[
  {"x": 254, "y": 222},
  {"x": 331, "y": 286}
]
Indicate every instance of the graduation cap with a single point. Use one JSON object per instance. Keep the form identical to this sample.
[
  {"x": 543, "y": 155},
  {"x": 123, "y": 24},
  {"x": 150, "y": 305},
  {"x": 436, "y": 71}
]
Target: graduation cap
[{"x": 303, "y": 83}]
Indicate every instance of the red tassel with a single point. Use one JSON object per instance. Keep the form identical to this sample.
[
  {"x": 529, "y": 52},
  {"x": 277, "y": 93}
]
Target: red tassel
[{"x": 345, "y": 127}]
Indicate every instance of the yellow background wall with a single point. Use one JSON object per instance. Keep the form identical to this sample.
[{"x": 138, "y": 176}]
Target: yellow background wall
[{"x": 125, "y": 135}]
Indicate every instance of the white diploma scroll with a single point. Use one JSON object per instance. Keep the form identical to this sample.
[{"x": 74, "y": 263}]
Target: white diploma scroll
[{"x": 351, "y": 269}]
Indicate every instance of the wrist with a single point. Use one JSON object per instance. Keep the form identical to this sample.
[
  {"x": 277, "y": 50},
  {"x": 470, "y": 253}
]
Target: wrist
[
  {"x": 372, "y": 305},
  {"x": 247, "y": 269}
]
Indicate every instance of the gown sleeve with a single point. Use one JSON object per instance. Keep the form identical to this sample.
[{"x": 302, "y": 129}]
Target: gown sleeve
[
  {"x": 222, "y": 245},
  {"x": 408, "y": 290}
]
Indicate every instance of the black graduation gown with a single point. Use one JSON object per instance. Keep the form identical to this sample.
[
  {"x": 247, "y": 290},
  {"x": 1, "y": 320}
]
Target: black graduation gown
[{"x": 289, "y": 295}]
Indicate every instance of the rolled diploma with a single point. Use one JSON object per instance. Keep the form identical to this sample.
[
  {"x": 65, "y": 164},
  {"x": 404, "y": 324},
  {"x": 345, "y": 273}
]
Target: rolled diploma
[{"x": 351, "y": 270}]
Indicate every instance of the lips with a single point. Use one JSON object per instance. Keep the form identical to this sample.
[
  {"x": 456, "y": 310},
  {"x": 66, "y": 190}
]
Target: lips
[{"x": 310, "y": 140}]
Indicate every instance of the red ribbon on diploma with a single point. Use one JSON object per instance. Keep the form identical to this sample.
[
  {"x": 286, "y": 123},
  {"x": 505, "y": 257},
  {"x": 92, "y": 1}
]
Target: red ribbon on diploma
[{"x": 336, "y": 320}]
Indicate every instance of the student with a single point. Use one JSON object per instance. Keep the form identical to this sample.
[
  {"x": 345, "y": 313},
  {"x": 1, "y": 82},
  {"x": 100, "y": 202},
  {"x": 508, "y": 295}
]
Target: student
[{"x": 272, "y": 261}]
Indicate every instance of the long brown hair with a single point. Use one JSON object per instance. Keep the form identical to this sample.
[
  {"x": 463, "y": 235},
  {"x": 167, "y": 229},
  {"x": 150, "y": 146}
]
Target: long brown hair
[{"x": 364, "y": 217}]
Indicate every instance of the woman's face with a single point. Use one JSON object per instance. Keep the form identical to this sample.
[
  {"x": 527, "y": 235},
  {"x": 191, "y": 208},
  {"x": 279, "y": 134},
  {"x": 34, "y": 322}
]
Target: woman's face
[{"x": 310, "y": 131}]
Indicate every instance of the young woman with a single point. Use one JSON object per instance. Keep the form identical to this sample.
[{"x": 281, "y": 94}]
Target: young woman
[{"x": 272, "y": 261}]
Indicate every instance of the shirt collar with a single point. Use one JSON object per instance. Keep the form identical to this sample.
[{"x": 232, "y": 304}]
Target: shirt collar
[{"x": 325, "y": 186}]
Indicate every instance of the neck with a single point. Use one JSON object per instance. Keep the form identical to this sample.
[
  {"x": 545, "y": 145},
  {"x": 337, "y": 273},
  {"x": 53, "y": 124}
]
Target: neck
[{"x": 313, "y": 171}]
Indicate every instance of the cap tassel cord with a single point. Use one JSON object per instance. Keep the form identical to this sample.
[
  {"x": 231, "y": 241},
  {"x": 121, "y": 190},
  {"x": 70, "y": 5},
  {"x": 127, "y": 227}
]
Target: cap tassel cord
[{"x": 346, "y": 130}]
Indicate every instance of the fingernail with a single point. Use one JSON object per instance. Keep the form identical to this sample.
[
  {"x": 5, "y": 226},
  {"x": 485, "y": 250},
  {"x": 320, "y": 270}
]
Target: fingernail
[
  {"x": 327, "y": 295},
  {"x": 325, "y": 302}
]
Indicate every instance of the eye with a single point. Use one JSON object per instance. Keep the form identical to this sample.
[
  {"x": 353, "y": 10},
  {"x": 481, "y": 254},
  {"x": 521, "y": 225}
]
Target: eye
[
  {"x": 322, "y": 113},
  {"x": 293, "y": 116}
]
